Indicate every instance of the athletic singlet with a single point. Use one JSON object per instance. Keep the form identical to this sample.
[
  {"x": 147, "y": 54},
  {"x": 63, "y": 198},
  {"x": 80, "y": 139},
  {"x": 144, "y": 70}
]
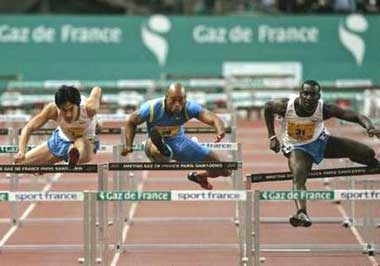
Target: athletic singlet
[
  {"x": 301, "y": 130},
  {"x": 169, "y": 126},
  {"x": 83, "y": 127}
]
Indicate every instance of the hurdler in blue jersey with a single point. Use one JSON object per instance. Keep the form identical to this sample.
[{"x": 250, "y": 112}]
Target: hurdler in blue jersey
[{"x": 165, "y": 118}]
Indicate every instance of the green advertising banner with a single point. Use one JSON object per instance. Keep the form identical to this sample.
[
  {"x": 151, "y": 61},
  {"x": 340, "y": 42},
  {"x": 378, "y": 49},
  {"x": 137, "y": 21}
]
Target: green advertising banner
[{"x": 121, "y": 47}]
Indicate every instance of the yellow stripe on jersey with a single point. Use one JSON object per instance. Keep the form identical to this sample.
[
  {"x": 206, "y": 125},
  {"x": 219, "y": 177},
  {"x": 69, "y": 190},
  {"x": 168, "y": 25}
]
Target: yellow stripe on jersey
[{"x": 151, "y": 111}]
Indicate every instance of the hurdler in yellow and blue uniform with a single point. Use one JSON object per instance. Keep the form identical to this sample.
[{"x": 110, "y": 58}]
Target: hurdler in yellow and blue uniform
[
  {"x": 165, "y": 118},
  {"x": 170, "y": 128}
]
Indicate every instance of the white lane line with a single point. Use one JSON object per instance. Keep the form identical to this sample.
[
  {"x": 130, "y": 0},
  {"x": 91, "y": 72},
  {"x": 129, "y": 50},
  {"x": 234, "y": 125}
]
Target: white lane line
[
  {"x": 357, "y": 235},
  {"x": 28, "y": 210},
  {"x": 131, "y": 214}
]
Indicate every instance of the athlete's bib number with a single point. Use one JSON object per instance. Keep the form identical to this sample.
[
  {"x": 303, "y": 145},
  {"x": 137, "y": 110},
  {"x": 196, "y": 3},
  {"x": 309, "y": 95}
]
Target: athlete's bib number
[
  {"x": 168, "y": 131},
  {"x": 301, "y": 131},
  {"x": 76, "y": 132}
]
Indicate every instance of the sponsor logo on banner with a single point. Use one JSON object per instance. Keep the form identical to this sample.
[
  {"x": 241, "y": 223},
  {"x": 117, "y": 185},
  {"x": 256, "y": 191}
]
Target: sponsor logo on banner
[
  {"x": 66, "y": 33},
  {"x": 46, "y": 196},
  {"x": 221, "y": 195},
  {"x": 297, "y": 195},
  {"x": 152, "y": 36},
  {"x": 357, "y": 194},
  {"x": 349, "y": 35},
  {"x": 221, "y": 146},
  {"x": 134, "y": 196},
  {"x": 264, "y": 33}
]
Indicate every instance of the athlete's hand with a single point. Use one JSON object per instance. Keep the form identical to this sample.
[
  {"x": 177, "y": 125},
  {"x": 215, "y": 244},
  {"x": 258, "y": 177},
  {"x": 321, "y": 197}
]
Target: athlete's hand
[
  {"x": 274, "y": 145},
  {"x": 126, "y": 150},
  {"x": 373, "y": 132},
  {"x": 20, "y": 156},
  {"x": 220, "y": 136}
]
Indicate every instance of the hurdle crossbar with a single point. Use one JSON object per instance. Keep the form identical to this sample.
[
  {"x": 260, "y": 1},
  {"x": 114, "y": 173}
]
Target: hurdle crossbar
[
  {"x": 319, "y": 173},
  {"x": 136, "y": 166},
  {"x": 115, "y": 166},
  {"x": 58, "y": 168}
]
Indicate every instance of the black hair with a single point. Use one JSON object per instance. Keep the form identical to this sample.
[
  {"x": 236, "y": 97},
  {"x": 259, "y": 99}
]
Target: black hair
[
  {"x": 67, "y": 94},
  {"x": 311, "y": 83}
]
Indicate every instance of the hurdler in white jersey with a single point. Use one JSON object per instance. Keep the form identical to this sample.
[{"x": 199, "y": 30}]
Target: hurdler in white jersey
[
  {"x": 297, "y": 129},
  {"x": 74, "y": 140},
  {"x": 85, "y": 126},
  {"x": 305, "y": 140}
]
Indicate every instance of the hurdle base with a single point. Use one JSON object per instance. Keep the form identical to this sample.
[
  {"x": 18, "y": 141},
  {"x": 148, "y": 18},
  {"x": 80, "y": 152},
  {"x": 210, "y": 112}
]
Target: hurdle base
[
  {"x": 82, "y": 260},
  {"x": 348, "y": 222}
]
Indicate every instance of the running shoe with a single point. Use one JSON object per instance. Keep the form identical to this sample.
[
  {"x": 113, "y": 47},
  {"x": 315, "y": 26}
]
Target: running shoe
[
  {"x": 202, "y": 181},
  {"x": 300, "y": 219},
  {"x": 73, "y": 157}
]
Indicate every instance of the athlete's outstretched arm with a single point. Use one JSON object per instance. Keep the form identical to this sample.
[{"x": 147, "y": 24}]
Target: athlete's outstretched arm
[
  {"x": 332, "y": 110},
  {"x": 49, "y": 112},
  {"x": 213, "y": 120},
  {"x": 130, "y": 131},
  {"x": 272, "y": 108},
  {"x": 93, "y": 101}
]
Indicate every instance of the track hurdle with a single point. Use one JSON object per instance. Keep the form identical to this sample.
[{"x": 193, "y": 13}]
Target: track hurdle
[
  {"x": 14, "y": 170},
  {"x": 285, "y": 195},
  {"x": 368, "y": 248},
  {"x": 317, "y": 174},
  {"x": 91, "y": 248},
  {"x": 144, "y": 166}
]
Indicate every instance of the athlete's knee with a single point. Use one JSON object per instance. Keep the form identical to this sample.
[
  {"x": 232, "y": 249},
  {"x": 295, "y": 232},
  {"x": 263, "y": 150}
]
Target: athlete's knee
[
  {"x": 299, "y": 176},
  {"x": 367, "y": 156}
]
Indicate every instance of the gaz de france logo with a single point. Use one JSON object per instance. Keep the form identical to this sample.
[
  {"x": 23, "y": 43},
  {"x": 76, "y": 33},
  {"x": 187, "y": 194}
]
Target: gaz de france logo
[
  {"x": 153, "y": 35},
  {"x": 350, "y": 32}
]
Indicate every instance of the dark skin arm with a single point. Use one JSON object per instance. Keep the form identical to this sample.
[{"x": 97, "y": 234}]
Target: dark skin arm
[
  {"x": 213, "y": 120},
  {"x": 130, "y": 131},
  {"x": 272, "y": 108},
  {"x": 332, "y": 110}
]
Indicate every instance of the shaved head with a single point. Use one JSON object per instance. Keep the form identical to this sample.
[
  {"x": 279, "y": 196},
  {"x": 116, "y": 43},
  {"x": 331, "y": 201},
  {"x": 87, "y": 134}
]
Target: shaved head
[
  {"x": 175, "y": 98},
  {"x": 176, "y": 89}
]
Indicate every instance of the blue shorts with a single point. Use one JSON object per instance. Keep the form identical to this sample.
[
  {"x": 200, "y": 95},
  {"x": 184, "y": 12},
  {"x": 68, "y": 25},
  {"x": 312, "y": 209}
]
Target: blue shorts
[
  {"x": 60, "y": 147},
  {"x": 315, "y": 149},
  {"x": 187, "y": 150}
]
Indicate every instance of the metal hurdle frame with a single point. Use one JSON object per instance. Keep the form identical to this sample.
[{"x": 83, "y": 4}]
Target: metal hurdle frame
[
  {"x": 343, "y": 172},
  {"x": 254, "y": 235},
  {"x": 12, "y": 196},
  {"x": 120, "y": 220},
  {"x": 368, "y": 248}
]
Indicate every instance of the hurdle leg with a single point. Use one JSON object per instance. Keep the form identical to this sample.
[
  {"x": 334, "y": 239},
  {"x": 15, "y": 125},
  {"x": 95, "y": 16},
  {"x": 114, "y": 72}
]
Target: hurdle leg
[
  {"x": 118, "y": 214},
  {"x": 86, "y": 234},
  {"x": 102, "y": 214},
  {"x": 115, "y": 156},
  {"x": 237, "y": 182},
  {"x": 14, "y": 178}
]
